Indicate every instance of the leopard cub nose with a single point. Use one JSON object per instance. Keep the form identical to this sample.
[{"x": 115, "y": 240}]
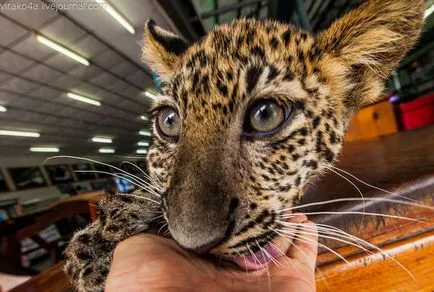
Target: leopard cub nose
[
  {"x": 229, "y": 229},
  {"x": 201, "y": 233}
]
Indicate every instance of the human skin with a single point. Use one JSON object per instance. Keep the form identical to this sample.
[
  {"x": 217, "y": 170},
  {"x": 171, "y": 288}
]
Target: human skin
[{"x": 149, "y": 262}]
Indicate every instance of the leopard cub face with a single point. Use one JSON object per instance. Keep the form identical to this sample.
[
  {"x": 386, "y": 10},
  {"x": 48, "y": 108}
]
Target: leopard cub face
[{"x": 253, "y": 111}]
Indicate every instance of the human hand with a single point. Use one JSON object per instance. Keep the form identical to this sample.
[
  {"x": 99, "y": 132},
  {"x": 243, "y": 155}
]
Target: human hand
[{"x": 149, "y": 262}]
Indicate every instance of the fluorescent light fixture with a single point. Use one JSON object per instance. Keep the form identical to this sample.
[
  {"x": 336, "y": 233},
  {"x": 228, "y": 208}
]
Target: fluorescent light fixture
[
  {"x": 116, "y": 15},
  {"x": 20, "y": 134},
  {"x": 145, "y": 133},
  {"x": 83, "y": 99},
  {"x": 429, "y": 11},
  {"x": 3, "y": 109},
  {"x": 144, "y": 118},
  {"x": 62, "y": 50},
  {"x": 150, "y": 94},
  {"x": 141, "y": 151},
  {"x": 106, "y": 150},
  {"x": 44, "y": 149},
  {"x": 102, "y": 140},
  {"x": 143, "y": 143}
]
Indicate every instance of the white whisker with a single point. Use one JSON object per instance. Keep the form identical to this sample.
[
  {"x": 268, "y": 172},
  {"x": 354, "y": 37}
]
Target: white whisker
[
  {"x": 162, "y": 227},
  {"x": 156, "y": 185},
  {"x": 266, "y": 254},
  {"x": 155, "y": 218},
  {"x": 283, "y": 255},
  {"x": 316, "y": 268},
  {"x": 156, "y": 177},
  {"x": 301, "y": 230},
  {"x": 368, "y": 244},
  {"x": 357, "y": 188},
  {"x": 139, "y": 197},
  {"x": 97, "y": 162},
  {"x": 294, "y": 236},
  {"x": 356, "y": 200},
  {"x": 372, "y": 186},
  {"x": 146, "y": 187},
  {"x": 355, "y": 213},
  {"x": 131, "y": 157},
  {"x": 143, "y": 187},
  {"x": 266, "y": 264},
  {"x": 253, "y": 255},
  {"x": 245, "y": 261}
]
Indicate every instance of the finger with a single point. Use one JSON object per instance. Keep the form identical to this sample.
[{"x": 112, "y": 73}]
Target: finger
[
  {"x": 144, "y": 242},
  {"x": 297, "y": 218},
  {"x": 125, "y": 254},
  {"x": 305, "y": 246},
  {"x": 141, "y": 261},
  {"x": 150, "y": 248}
]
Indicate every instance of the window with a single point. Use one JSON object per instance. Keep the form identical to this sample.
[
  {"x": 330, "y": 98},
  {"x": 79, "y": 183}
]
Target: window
[
  {"x": 59, "y": 174},
  {"x": 27, "y": 177}
]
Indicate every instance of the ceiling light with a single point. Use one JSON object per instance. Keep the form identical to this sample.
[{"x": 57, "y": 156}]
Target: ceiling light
[
  {"x": 145, "y": 133},
  {"x": 44, "y": 149},
  {"x": 429, "y": 11},
  {"x": 102, "y": 140},
  {"x": 150, "y": 94},
  {"x": 116, "y": 15},
  {"x": 106, "y": 150},
  {"x": 144, "y": 118},
  {"x": 3, "y": 109},
  {"x": 62, "y": 50},
  {"x": 19, "y": 134},
  {"x": 143, "y": 143},
  {"x": 83, "y": 99},
  {"x": 141, "y": 151}
]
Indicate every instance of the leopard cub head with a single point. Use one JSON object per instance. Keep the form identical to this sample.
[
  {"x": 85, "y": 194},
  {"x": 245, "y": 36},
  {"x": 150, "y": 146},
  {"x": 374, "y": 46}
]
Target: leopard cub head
[{"x": 254, "y": 110}]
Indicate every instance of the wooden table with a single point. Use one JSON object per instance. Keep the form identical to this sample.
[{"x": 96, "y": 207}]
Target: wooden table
[
  {"x": 29, "y": 226},
  {"x": 402, "y": 163},
  {"x": 51, "y": 280},
  {"x": 89, "y": 198}
]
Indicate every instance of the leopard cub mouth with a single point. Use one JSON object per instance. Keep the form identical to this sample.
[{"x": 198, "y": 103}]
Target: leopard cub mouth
[
  {"x": 259, "y": 257},
  {"x": 250, "y": 254}
]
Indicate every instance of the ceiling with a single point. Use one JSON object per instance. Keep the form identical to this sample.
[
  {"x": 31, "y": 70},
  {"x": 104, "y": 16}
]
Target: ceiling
[
  {"x": 34, "y": 78},
  {"x": 319, "y": 13}
]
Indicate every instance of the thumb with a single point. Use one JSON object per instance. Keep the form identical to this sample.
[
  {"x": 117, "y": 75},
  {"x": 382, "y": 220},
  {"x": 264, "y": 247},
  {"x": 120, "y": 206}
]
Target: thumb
[
  {"x": 305, "y": 247},
  {"x": 300, "y": 237}
]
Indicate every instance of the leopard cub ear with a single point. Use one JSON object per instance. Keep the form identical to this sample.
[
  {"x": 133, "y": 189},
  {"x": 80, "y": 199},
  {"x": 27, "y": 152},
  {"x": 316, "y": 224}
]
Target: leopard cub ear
[
  {"x": 162, "y": 50},
  {"x": 370, "y": 42}
]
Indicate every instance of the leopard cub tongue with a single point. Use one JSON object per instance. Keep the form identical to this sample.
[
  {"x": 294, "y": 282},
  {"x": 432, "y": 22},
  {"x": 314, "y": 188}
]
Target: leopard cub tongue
[{"x": 262, "y": 258}]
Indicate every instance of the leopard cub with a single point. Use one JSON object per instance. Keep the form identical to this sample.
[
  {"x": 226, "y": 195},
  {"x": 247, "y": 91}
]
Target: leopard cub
[{"x": 246, "y": 118}]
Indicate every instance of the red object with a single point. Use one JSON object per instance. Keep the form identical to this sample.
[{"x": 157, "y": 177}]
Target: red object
[{"x": 418, "y": 112}]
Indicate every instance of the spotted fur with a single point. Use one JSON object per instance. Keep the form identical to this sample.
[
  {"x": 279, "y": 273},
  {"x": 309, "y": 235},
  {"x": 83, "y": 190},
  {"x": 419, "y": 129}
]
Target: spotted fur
[
  {"x": 89, "y": 253},
  {"x": 222, "y": 189}
]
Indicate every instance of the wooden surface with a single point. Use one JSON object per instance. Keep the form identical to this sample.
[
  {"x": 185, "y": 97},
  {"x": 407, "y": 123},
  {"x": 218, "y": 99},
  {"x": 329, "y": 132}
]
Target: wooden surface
[
  {"x": 403, "y": 163},
  {"x": 91, "y": 198},
  {"x": 372, "y": 122},
  {"x": 373, "y": 273},
  {"x": 29, "y": 226},
  {"x": 51, "y": 280}
]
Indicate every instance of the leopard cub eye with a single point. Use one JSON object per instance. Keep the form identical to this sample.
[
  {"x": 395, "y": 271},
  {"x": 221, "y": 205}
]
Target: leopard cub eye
[
  {"x": 168, "y": 123},
  {"x": 265, "y": 117}
]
